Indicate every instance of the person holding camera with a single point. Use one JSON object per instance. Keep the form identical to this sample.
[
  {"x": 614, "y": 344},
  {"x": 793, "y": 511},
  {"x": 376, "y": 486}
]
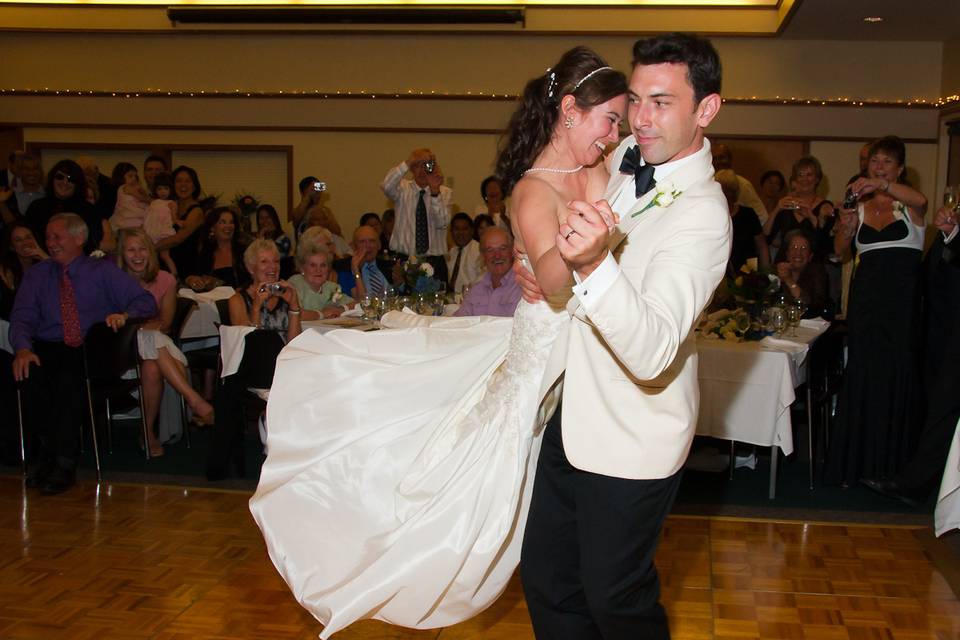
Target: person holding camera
[
  {"x": 422, "y": 208},
  {"x": 271, "y": 306}
]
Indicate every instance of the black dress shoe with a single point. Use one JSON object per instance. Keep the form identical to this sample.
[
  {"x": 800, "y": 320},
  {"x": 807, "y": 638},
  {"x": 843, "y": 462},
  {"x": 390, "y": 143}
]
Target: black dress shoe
[
  {"x": 890, "y": 489},
  {"x": 59, "y": 481}
]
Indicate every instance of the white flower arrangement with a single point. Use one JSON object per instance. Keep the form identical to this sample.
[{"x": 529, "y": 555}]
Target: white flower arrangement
[
  {"x": 427, "y": 269},
  {"x": 666, "y": 195}
]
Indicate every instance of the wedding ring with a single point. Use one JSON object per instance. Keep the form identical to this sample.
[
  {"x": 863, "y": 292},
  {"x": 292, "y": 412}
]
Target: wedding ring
[{"x": 567, "y": 237}]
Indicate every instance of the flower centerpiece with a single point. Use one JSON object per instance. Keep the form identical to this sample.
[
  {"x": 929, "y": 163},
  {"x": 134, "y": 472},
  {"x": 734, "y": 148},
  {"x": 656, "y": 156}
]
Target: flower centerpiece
[
  {"x": 733, "y": 325},
  {"x": 418, "y": 276},
  {"x": 752, "y": 285}
]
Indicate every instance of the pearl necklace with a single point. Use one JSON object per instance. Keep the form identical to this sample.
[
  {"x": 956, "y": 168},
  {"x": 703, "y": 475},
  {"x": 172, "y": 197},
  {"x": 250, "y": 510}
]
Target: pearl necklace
[{"x": 551, "y": 170}]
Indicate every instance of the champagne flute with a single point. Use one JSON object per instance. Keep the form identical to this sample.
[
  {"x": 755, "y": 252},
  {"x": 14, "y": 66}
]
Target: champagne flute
[{"x": 793, "y": 318}]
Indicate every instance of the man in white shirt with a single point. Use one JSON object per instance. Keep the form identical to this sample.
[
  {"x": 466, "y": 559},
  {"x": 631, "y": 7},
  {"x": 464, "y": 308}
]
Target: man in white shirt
[
  {"x": 609, "y": 464},
  {"x": 422, "y": 208},
  {"x": 464, "y": 263},
  {"x": 723, "y": 159}
]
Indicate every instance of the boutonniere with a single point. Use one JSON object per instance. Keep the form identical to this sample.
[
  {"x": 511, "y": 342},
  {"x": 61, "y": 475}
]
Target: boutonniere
[
  {"x": 666, "y": 194},
  {"x": 337, "y": 295}
]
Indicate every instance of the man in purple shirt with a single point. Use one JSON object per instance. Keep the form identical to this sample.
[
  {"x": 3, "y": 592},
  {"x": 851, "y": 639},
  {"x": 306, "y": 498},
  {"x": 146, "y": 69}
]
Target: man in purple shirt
[
  {"x": 496, "y": 293},
  {"x": 47, "y": 366}
]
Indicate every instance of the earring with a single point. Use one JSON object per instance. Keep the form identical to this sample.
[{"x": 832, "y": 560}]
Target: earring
[{"x": 568, "y": 122}]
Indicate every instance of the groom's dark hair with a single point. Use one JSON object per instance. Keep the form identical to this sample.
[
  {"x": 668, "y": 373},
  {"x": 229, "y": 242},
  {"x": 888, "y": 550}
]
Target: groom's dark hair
[{"x": 703, "y": 63}]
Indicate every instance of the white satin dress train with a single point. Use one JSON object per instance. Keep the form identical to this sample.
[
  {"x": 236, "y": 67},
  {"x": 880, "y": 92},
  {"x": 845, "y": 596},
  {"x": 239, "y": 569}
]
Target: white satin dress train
[{"x": 401, "y": 464}]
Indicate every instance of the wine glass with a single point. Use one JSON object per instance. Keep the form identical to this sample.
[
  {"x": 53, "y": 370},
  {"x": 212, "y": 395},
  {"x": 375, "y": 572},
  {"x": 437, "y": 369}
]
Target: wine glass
[
  {"x": 793, "y": 313},
  {"x": 742, "y": 318},
  {"x": 950, "y": 197},
  {"x": 778, "y": 320},
  {"x": 368, "y": 307}
]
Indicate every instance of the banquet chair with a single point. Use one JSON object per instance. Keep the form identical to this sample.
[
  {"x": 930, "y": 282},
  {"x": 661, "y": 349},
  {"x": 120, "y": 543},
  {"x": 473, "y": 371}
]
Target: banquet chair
[
  {"x": 185, "y": 307},
  {"x": 107, "y": 356},
  {"x": 23, "y": 448}
]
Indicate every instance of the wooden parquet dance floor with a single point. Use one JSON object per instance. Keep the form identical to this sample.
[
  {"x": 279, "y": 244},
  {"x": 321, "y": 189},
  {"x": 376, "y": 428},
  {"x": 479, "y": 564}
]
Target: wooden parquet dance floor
[{"x": 167, "y": 563}]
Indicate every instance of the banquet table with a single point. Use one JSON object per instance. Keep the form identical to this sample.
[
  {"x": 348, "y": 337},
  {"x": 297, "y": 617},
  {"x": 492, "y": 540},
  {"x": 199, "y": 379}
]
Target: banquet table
[
  {"x": 203, "y": 322},
  {"x": 746, "y": 389}
]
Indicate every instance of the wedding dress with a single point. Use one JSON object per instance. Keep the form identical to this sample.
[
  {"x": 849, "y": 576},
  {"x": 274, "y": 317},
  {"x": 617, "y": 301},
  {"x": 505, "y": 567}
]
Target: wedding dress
[{"x": 401, "y": 464}]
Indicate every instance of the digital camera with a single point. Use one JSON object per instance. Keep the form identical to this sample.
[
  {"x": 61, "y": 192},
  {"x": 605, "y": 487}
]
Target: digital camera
[
  {"x": 850, "y": 200},
  {"x": 319, "y": 186},
  {"x": 429, "y": 165},
  {"x": 273, "y": 288}
]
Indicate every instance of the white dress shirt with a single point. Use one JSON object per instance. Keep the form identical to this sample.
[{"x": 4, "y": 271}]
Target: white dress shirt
[
  {"x": 607, "y": 271},
  {"x": 405, "y": 194},
  {"x": 471, "y": 264}
]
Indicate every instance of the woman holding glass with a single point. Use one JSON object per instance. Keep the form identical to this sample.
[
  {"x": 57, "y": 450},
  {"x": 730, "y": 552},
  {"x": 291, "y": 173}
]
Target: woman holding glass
[{"x": 879, "y": 406}]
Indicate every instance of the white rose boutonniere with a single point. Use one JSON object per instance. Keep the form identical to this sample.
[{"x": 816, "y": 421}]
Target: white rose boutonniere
[
  {"x": 666, "y": 194},
  {"x": 427, "y": 269},
  {"x": 337, "y": 295}
]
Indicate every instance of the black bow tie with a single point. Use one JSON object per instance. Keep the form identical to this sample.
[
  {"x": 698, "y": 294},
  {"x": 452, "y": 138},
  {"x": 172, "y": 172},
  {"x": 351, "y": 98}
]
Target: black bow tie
[{"x": 642, "y": 173}]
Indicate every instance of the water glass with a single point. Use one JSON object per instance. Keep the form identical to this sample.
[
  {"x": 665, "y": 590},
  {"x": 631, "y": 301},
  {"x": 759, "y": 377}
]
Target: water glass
[
  {"x": 777, "y": 320},
  {"x": 368, "y": 306},
  {"x": 793, "y": 318}
]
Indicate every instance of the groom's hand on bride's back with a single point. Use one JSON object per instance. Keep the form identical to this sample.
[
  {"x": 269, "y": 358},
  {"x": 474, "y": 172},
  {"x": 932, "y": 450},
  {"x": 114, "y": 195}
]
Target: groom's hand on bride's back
[{"x": 529, "y": 288}]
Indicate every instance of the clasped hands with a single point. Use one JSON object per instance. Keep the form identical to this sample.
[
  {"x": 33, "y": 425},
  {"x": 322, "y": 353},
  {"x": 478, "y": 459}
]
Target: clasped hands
[{"x": 582, "y": 241}]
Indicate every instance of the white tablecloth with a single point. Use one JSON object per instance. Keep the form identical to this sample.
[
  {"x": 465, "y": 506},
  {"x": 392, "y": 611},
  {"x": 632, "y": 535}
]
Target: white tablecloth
[
  {"x": 203, "y": 322},
  {"x": 746, "y": 388},
  {"x": 5, "y": 336},
  {"x": 947, "y": 514}
]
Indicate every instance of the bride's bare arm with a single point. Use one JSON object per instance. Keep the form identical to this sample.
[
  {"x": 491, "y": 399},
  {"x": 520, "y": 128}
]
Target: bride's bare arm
[{"x": 535, "y": 208}]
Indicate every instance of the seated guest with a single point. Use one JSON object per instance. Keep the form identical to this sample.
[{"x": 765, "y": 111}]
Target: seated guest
[
  {"x": 387, "y": 221},
  {"x": 496, "y": 293},
  {"x": 772, "y": 187},
  {"x": 66, "y": 184},
  {"x": 480, "y": 224},
  {"x": 371, "y": 219},
  {"x": 363, "y": 273},
  {"x": 494, "y": 205},
  {"x": 27, "y": 187},
  {"x": 748, "y": 239},
  {"x": 221, "y": 255},
  {"x": 322, "y": 237},
  {"x": 464, "y": 263},
  {"x": 162, "y": 360},
  {"x": 319, "y": 297},
  {"x": 102, "y": 189},
  {"x": 275, "y": 313},
  {"x": 801, "y": 277},
  {"x": 58, "y": 301},
  {"x": 323, "y": 217},
  {"x": 268, "y": 227},
  {"x": 18, "y": 252}
]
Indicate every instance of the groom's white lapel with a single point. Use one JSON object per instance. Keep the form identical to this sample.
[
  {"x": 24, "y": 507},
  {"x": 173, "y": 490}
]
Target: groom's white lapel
[{"x": 677, "y": 181}]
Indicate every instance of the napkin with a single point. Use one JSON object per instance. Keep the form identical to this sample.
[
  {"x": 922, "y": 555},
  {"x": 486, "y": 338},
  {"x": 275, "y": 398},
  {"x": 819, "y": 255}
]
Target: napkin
[
  {"x": 815, "y": 323},
  {"x": 779, "y": 344}
]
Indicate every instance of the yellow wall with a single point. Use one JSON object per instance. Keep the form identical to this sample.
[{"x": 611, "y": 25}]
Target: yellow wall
[{"x": 376, "y": 134}]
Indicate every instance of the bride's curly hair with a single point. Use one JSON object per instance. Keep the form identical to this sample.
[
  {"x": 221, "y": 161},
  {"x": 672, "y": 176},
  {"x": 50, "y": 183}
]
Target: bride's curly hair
[{"x": 579, "y": 73}]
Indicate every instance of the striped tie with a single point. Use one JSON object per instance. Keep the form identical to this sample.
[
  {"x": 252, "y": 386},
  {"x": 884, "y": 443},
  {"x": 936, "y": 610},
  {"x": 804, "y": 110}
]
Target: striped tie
[{"x": 376, "y": 283}]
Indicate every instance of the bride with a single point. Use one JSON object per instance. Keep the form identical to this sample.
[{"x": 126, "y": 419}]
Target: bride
[{"x": 401, "y": 461}]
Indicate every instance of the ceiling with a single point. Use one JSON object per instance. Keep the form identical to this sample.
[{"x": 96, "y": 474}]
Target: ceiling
[{"x": 916, "y": 20}]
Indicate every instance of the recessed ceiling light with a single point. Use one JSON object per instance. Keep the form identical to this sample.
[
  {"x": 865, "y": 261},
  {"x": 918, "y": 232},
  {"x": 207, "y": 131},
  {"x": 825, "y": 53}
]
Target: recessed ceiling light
[{"x": 873, "y": 19}]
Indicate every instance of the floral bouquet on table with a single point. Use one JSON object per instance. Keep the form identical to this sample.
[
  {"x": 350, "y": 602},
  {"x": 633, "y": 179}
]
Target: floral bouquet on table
[
  {"x": 733, "y": 325},
  {"x": 418, "y": 276},
  {"x": 752, "y": 285}
]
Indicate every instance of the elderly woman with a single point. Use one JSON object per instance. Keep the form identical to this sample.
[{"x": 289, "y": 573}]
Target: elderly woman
[
  {"x": 802, "y": 278},
  {"x": 879, "y": 406},
  {"x": 221, "y": 254},
  {"x": 162, "y": 360},
  {"x": 319, "y": 296},
  {"x": 802, "y": 208},
  {"x": 272, "y": 307},
  {"x": 748, "y": 239}
]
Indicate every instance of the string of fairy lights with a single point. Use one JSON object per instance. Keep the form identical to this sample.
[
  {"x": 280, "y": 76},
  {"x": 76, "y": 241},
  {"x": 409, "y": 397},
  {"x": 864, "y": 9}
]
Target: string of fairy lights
[{"x": 411, "y": 94}]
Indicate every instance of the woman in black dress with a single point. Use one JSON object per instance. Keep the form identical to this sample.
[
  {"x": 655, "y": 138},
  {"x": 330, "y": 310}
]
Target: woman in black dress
[{"x": 879, "y": 411}]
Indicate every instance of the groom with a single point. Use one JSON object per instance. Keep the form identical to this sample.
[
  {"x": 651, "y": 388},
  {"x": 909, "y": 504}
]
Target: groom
[{"x": 609, "y": 466}]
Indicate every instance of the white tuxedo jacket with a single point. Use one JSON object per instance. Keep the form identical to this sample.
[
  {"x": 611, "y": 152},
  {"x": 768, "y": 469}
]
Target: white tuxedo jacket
[{"x": 630, "y": 391}]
